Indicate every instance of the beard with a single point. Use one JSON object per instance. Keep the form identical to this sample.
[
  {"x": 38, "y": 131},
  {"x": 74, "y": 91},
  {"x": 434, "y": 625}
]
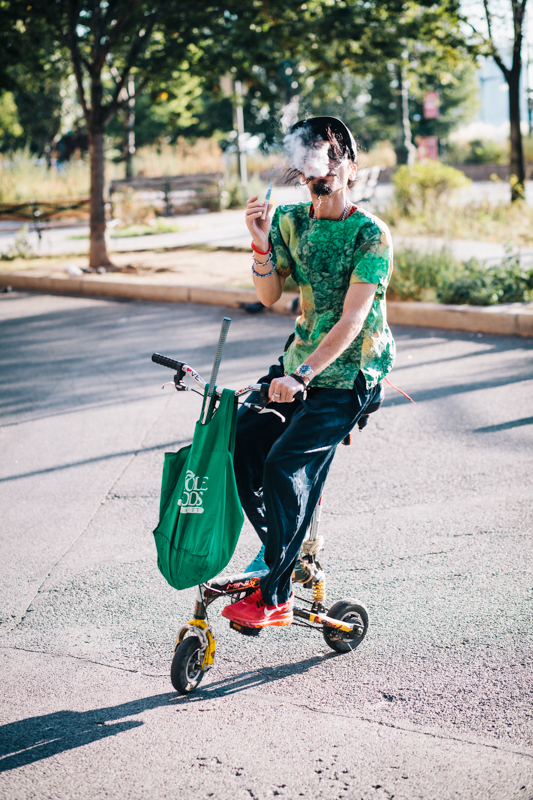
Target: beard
[{"x": 321, "y": 188}]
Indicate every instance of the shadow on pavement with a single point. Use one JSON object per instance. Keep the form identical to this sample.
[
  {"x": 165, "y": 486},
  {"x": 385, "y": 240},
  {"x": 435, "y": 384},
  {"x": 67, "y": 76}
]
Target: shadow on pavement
[
  {"x": 255, "y": 678},
  {"x": 120, "y": 454},
  {"x": 61, "y": 360},
  {"x": 504, "y": 426},
  {"x": 33, "y": 739},
  {"x": 455, "y": 389}
]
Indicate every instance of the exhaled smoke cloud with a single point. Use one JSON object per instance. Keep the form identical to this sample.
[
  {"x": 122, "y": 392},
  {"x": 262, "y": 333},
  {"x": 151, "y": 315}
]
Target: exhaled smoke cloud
[{"x": 303, "y": 156}]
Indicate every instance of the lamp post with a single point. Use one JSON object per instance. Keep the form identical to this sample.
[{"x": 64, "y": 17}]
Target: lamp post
[
  {"x": 405, "y": 151},
  {"x": 234, "y": 90},
  {"x": 238, "y": 123},
  {"x": 130, "y": 127}
]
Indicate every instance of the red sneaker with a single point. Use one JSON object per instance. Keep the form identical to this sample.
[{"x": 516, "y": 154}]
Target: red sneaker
[{"x": 253, "y": 612}]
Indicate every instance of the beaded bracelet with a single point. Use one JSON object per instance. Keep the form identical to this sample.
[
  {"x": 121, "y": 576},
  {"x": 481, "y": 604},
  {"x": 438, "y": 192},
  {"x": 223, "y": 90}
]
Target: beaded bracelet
[
  {"x": 259, "y": 275},
  {"x": 263, "y": 263}
]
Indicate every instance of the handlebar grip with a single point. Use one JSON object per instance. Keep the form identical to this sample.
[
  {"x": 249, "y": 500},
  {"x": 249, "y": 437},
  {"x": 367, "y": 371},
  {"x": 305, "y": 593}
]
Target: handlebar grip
[{"x": 167, "y": 362}]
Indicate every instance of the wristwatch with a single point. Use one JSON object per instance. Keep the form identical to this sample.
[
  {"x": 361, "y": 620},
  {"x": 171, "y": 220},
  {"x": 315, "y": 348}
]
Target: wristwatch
[{"x": 304, "y": 371}]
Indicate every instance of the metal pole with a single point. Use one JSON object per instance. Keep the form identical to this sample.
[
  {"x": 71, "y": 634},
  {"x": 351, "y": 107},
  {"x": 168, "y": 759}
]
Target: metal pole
[
  {"x": 226, "y": 322},
  {"x": 130, "y": 127},
  {"x": 528, "y": 94},
  {"x": 239, "y": 124},
  {"x": 404, "y": 147}
]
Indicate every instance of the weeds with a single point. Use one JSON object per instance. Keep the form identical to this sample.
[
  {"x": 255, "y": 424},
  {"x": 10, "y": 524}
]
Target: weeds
[
  {"x": 509, "y": 222},
  {"x": 21, "y": 247},
  {"x": 423, "y": 205}
]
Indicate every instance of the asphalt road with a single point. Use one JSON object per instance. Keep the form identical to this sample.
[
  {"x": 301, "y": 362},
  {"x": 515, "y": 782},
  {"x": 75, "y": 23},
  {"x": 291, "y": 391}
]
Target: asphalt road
[{"x": 427, "y": 521}]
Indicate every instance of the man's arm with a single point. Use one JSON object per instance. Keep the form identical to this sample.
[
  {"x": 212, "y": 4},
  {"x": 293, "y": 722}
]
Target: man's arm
[
  {"x": 357, "y": 305},
  {"x": 268, "y": 284}
]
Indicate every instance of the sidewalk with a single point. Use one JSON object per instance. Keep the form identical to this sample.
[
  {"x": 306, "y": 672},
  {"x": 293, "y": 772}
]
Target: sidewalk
[
  {"x": 223, "y": 277},
  {"x": 227, "y": 230}
]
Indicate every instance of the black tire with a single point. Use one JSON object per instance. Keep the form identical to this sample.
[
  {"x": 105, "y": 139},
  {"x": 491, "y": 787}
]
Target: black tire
[
  {"x": 186, "y": 670},
  {"x": 347, "y": 611}
]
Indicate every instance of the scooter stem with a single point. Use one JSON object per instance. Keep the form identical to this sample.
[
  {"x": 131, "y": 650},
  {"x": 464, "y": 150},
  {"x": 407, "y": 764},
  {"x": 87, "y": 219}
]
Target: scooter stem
[{"x": 226, "y": 322}]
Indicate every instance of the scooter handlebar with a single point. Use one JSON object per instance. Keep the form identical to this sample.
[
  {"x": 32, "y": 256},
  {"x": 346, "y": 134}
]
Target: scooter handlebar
[{"x": 167, "y": 362}]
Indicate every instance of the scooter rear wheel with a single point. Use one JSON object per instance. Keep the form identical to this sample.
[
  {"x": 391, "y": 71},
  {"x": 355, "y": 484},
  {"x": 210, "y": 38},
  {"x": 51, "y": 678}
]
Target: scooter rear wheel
[
  {"x": 186, "y": 670},
  {"x": 347, "y": 611}
]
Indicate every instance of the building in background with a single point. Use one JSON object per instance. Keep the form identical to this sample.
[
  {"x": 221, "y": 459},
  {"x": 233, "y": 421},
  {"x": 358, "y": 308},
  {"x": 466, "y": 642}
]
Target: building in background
[{"x": 494, "y": 96}]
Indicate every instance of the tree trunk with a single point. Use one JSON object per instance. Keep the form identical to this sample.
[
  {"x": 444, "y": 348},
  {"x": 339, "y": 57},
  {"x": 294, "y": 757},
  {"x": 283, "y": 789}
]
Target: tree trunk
[
  {"x": 97, "y": 250},
  {"x": 518, "y": 170}
]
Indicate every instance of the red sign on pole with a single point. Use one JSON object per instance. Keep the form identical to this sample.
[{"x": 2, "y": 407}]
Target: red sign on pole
[
  {"x": 431, "y": 105},
  {"x": 428, "y": 147}
]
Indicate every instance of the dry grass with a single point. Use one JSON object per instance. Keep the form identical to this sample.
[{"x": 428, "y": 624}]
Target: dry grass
[
  {"x": 510, "y": 223},
  {"x": 381, "y": 155},
  {"x": 183, "y": 158},
  {"x": 22, "y": 180}
]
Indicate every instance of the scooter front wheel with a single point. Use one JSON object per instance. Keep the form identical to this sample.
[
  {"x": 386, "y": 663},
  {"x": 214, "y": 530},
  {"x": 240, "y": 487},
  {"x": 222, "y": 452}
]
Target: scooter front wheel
[
  {"x": 186, "y": 671},
  {"x": 346, "y": 611}
]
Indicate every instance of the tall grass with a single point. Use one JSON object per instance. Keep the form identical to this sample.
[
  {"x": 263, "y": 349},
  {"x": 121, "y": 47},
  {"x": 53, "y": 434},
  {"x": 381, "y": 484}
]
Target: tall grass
[
  {"x": 22, "y": 179},
  {"x": 182, "y": 158}
]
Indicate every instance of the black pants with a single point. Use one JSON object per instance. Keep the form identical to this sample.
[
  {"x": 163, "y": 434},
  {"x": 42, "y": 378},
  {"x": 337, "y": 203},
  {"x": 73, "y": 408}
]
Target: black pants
[{"x": 281, "y": 469}]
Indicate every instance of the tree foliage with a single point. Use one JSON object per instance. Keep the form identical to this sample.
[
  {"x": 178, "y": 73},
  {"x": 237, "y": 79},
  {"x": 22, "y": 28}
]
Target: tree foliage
[{"x": 177, "y": 53}]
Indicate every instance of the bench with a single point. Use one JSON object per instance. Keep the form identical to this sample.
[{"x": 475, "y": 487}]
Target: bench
[
  {"x": 40, "y": 212},
  {"x": 176, "y": 193},
  {"x": 365, "y": 187}
]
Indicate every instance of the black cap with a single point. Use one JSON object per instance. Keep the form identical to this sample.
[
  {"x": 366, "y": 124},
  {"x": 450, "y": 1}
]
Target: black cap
[{"x": 323, "y": 127}]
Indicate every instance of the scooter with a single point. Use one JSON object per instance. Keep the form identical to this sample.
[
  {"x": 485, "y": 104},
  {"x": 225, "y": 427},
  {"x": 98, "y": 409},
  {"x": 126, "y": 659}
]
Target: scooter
[{"x": 343, "y": 625}]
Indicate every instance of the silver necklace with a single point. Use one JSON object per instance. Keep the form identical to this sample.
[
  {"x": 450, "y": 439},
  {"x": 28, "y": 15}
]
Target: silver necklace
[{"x": 342, "y": 216}]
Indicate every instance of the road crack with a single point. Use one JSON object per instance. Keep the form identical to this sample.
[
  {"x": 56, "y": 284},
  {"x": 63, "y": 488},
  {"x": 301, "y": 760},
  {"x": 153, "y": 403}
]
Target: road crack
[
  {"x": 395, "y": 726},
  {"x": 83, "y": 658}
]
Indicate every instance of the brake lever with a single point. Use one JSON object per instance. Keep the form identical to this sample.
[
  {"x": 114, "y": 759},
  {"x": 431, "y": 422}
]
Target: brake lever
[
  {"x": 263, "y": 410},
  {"x": 178, "y": 383}
]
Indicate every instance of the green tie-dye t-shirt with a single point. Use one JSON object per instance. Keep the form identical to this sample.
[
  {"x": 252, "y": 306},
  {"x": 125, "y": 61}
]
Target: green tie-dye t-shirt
[{"x": 325, "y": 257}]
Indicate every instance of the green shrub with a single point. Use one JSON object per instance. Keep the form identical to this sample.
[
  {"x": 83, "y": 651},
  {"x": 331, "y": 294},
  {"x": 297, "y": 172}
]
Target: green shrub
[
  {"x": 420, "y": 187},
  {"x": 439, "y": 276},
  {"x": 477, "y": 151},
  {"x": 479, "y": 285},
  {"x": 417, "y": 274}
]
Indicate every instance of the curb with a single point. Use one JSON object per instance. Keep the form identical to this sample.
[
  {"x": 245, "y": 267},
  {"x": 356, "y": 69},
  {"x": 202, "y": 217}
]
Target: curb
[
  {"x": 138, "y": 289},
  {"x": 514, "y": 319}
]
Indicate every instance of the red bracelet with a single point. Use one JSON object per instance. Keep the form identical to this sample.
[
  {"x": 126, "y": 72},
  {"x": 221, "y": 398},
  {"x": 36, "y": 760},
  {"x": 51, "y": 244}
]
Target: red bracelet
[{"x": 260, "y": 252}]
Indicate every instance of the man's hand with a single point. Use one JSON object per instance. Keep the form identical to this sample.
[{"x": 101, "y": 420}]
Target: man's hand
[
  {"x": 282, "y": 390},
  {"x": 259, "y": 228}
]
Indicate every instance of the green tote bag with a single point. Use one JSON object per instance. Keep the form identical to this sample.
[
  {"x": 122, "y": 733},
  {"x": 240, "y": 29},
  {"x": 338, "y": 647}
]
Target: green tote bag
[{"x": 200, "y": 514}]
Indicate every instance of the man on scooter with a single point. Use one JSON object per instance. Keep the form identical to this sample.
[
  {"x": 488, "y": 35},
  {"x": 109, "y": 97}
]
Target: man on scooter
[{"x": 332, "y": 365}]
